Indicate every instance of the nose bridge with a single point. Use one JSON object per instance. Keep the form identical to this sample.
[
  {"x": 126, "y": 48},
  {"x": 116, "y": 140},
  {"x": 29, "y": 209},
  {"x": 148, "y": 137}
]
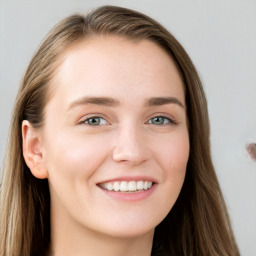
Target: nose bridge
[{"x": 130, "y": 145}]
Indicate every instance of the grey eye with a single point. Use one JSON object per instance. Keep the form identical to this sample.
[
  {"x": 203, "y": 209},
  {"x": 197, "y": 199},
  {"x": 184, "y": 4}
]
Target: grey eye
[
  {"x": 160, "y": 120},
  {"x": 95, "y": 121}
]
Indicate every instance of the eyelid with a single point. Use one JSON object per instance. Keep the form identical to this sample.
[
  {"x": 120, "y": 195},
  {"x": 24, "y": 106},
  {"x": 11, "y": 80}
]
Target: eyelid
[
  {"x": 82, "y": 121},
  {"x": 171, "y": 119}
]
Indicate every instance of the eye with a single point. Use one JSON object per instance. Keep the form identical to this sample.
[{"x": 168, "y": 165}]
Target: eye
[
  {"x": 94, "y": 121},
  {"x": 161, "y": 120}
]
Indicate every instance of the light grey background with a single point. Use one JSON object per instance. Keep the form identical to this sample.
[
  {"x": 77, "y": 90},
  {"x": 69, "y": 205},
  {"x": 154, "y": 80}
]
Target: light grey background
[{"x": 220, "y": 37}]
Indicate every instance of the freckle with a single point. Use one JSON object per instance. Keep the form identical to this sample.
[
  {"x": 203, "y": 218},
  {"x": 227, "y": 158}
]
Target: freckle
[{"x": 251, "y": 148}]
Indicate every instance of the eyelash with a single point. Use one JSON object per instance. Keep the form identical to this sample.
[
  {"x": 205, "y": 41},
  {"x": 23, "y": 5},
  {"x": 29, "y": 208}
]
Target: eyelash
[
  {"x": 164, "y": 118},
  {"x": 87, "y": 120},
  {"x": 166, "y": 121}
]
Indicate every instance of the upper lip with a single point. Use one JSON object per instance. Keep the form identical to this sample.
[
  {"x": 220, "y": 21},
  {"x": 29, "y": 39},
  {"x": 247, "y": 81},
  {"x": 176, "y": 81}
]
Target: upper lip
[{"x": 129, "y": 178}]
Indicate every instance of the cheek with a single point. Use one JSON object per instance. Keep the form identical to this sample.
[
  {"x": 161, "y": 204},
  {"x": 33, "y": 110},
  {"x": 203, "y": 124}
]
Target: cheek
[
  {"x": 171, "y": 155},
  {"x": 74, "y": 157},
  {"x": 173, "y": 158}
]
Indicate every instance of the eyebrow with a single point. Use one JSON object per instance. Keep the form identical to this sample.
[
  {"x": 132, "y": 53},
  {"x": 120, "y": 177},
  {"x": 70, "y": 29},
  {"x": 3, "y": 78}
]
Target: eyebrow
[
  {"x": 159, "y": 101},
  {"x": 103, "y": 101},
  {"x": 110, "y": 102}
]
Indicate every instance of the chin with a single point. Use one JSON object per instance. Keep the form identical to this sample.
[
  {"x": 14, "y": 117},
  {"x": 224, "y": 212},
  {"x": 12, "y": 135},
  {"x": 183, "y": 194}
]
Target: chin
[{"x": 129, "y": 230}]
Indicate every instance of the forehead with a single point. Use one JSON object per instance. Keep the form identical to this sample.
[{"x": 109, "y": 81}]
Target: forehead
[{"x": 112, "y": 64}]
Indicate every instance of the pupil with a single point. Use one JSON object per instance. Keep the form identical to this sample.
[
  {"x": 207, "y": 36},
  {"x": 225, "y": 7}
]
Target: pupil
[
  {"x": 94, "y": 121},
  {"x": 158, "y": 120}
]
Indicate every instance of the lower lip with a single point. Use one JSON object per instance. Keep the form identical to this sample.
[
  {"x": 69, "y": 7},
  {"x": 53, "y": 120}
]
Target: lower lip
[{"x": 130, "y": 196}]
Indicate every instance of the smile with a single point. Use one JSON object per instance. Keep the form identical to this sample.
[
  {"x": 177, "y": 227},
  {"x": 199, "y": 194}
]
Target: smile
[{"x": 127, "y": 186}]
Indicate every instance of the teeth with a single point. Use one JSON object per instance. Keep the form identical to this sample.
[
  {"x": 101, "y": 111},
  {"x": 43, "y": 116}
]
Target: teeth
[
  {"x": 125, "y": 186},
  {"x": 116, "y": 186},
  {"x": 109, "y": 186},
  {"x": 145, "y": 185},
  {"x": 140, "y": 185},
  {"x": 132, "y": 186}
]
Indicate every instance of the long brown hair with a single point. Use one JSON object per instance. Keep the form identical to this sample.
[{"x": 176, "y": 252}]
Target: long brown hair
[{"x": 198, "y": 223}]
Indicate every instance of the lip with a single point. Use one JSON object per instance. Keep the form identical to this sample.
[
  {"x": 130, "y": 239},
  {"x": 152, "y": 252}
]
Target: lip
[{"x": 129, "y": 196}]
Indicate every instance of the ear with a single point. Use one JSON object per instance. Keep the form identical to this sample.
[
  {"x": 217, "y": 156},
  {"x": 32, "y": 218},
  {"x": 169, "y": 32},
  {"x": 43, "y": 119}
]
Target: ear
[{"x": 32, "y": 150}]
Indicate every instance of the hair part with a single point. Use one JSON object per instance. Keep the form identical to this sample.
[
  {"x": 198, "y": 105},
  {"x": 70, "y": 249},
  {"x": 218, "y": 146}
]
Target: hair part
[{"x": 198, "y": 223}]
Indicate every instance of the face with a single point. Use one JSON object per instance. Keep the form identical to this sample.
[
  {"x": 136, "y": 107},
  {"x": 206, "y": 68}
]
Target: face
[{"x": 115, "y": 140}]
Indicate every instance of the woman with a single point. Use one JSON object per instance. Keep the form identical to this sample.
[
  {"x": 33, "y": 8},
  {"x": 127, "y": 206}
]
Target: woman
[{"x": 109, "y": 150}]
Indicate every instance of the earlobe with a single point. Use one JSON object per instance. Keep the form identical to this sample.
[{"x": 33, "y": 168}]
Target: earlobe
[{"x": 32, "y": 150}]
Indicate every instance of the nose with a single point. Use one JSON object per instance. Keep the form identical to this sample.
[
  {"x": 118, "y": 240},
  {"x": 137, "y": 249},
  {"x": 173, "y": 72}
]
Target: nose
[{"x": 130, "y": 146}]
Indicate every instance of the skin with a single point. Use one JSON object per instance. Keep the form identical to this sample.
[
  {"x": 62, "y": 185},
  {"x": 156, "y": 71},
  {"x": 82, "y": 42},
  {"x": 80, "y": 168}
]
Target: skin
[{"x": 126, "y": 141}]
